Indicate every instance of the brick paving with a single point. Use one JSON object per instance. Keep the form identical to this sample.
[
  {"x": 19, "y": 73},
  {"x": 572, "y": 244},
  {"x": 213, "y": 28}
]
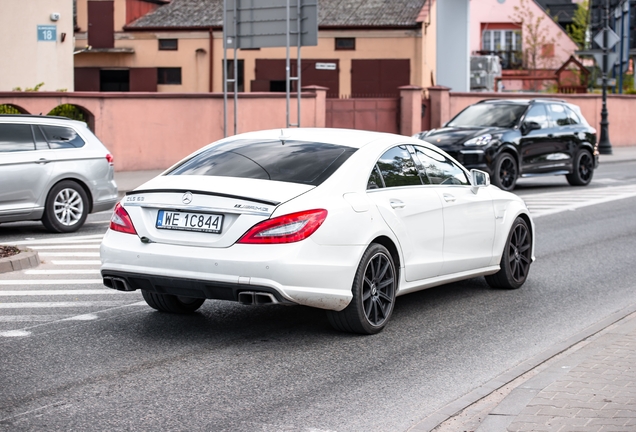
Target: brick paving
[{"x": 591, "y": 390}]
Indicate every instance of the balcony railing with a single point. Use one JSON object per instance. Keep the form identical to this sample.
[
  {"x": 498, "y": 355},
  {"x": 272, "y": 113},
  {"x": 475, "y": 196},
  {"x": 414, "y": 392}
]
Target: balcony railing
[{"x": 510, "y": 59}]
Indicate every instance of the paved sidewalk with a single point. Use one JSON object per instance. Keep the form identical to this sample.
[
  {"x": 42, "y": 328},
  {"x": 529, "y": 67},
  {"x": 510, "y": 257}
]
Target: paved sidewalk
[
  {"x": 590, "y": 390},
  {"x": 584, "y": 384},
  {"x": 129, "y": 180}
]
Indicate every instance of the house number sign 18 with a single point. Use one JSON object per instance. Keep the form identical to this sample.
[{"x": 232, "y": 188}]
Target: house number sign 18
[{"x": 47, "y": 33}]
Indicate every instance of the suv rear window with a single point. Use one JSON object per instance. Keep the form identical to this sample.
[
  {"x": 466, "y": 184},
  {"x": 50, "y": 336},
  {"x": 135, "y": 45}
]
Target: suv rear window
[{"x": 289, "y": 161}]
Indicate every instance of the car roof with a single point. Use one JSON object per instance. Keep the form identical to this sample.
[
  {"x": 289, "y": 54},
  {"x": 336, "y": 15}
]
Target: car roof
[
  {"x": 345, "y": 137},
  {"x": 34, "y": 118}
]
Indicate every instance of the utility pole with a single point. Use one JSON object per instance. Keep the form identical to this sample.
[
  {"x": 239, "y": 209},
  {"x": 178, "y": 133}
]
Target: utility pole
[{"x": 604, "y": 145}]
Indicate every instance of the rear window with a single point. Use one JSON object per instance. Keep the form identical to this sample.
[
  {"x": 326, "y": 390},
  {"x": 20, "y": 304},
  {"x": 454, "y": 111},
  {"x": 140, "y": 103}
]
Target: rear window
[
  {"x": 62, "y": 137},
  {"x": 288, "y": 161}
]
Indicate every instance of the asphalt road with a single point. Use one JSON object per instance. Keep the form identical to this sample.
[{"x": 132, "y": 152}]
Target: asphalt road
[{"x": 276, "y": 368}]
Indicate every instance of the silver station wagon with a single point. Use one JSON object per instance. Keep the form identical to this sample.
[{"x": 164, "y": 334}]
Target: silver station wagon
[{"x": 53, "y": 169}]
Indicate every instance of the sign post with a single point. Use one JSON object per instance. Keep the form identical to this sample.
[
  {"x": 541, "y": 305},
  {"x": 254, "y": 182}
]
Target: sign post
[
  {"x": 268, "y": 23},
  {"x": 606, "y": 39}
]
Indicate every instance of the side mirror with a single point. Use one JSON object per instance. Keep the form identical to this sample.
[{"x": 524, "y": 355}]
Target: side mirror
[
  {"x": 479, "y": 179},
  {"x": 527, "y": 127}
]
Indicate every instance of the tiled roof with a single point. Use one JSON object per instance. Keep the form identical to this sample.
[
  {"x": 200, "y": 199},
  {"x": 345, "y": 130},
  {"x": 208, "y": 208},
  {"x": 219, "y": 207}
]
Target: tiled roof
[{"x": 331, "y": 13}]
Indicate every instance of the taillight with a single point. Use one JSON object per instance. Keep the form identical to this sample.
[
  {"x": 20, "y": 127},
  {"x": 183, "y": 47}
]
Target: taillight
[
  {"x": 289, "y": 228},
  {"x": 120, "y": 221},
  {"x": 110, "y": 159}
]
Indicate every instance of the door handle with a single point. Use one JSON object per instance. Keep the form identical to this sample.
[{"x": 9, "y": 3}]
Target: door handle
[
  {"x": 550, "y": 135},
  {"x": 449, "y": 198},
  {"x": 397, "y": 204},
  {"x": 42, "y": 161}
]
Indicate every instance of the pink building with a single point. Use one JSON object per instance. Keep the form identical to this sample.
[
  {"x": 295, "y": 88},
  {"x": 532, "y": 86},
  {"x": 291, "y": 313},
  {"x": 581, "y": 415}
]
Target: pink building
[{"x": 523, "y": 34}]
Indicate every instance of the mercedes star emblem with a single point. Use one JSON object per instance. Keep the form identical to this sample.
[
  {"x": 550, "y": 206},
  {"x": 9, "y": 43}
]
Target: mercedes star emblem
[{"x": 187, "y": 198}]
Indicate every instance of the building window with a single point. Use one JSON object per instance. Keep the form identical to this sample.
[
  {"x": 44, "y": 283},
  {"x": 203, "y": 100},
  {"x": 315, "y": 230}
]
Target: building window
[
  {"x": 504, "y": 43},
  {"x": 230, "y": 75},
  {"x": 168, "y": 75},
  {"x": 168, "y": 44},
  {"x": 114, "y": 80},
  {"x": 345, "y": 44}
]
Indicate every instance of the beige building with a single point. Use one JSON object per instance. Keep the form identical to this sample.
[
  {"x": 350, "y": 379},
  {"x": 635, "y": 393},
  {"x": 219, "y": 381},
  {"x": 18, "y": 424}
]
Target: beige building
[
  {"x": 37, "y": 45},
  {"x": 364, "y": 48}
]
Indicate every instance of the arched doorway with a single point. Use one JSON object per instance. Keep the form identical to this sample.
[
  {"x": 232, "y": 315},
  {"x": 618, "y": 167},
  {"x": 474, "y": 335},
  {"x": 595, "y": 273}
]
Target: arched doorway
[
  {"x": 12, "y": 109},
  {"x": 74, "y": 112}
]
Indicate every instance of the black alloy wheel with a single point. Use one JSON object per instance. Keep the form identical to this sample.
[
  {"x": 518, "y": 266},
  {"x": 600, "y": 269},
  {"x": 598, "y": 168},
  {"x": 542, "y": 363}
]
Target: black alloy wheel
[
  {"x": 516, "y": 258},
  {"x": 583, "y": 169},
  {"x": 171, "y": 303},
  {"x": 506, "y": 172},
  {"x": 374, "y": 290}
]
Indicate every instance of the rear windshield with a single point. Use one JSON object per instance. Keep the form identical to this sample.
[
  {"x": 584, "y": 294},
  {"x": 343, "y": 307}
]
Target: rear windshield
[
  {"x": 493, "y": 115},
  {"x": 288, "y": 161}
]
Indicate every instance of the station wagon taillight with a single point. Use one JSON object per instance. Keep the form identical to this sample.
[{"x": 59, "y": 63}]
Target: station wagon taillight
[{"x": 110, "y": 159}]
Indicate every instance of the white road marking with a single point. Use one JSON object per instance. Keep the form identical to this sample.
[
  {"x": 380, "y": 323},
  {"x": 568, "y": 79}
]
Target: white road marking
[
  {"x": 15, "y": 333},
  {"x": 51, "y": 282},
  {"x": 556, "y": 202},
  {"x": 31, "y": 318},
  {"x": 86, "y": 317},
  {"x": 76, "y": 262},
  {"x": 70, "y": 254},
  {"x": 53, "y": 305},
  {"x": 59, "y": 239},
  {"x": 58, "y": 272},
  {"x": 37, "y": 247},
  {"x": 58, "y": 292}
]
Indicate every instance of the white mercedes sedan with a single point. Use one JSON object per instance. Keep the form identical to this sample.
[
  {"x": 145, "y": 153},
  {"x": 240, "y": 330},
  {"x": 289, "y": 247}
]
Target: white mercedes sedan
[{"x": 335, "y": 219}]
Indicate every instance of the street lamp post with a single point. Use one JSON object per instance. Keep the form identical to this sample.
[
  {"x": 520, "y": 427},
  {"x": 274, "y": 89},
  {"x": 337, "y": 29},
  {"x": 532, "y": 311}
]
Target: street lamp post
[{"x": 604, "y": 145}]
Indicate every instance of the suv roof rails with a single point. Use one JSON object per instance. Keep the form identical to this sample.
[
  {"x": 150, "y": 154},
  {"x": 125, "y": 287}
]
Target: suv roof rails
[{"x": 36, "y": 116}]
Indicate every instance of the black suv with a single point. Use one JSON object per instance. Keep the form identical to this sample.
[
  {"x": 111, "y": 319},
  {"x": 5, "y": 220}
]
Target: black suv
[{"x": 521, "y": 138}]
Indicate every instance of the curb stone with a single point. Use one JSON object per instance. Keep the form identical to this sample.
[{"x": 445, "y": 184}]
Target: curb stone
[{"x": 24, "y": 260}]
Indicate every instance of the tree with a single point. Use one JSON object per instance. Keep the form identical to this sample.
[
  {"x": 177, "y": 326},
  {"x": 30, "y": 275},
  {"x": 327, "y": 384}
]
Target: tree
[
  {"x": 538, "y": 48},
  {"x": 578, "y": 30}
]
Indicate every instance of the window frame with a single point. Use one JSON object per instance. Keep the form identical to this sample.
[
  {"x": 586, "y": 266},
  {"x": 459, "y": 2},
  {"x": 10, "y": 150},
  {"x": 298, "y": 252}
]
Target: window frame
[
  {"x": 344, "y": 48},
  {"x": 168, "y": 48},
  {"x": 163, "y": 72}
]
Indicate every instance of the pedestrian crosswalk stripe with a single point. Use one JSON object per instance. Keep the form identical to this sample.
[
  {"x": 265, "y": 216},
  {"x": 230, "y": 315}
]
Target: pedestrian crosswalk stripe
[
  {"x": 47, "y": 247},
  {"x": 31, "y": 318},
  {"x": 51, "y": 281},
  {"x": 18, "y": 293},
  {"x": 94, "y": 237},
  {"x": 76, "y": 262},
  {"x": 69, "y": 254},
  {"x": 58, "y": 272},
  {"x": 46, "y": 305}
]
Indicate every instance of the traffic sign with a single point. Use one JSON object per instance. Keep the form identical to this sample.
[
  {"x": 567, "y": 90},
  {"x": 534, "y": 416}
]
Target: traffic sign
[
  {"x": 612, "y": 58},
  {"x": 612, "y": 38}
]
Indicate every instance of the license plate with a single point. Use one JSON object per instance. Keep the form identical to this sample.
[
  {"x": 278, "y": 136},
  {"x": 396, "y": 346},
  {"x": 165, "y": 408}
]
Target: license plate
[{"x": 188, "y": 221}]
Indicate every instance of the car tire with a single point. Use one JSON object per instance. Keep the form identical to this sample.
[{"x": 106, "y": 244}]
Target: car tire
[
  {"x": 506, "y": 172},
  {"x": 171, "y": 303},
  {"x": 66, "y": 207},
  {"x": 374, "y": 289},
  {"x": 516, "y": 258},
  {"x": 582, "y": 169}
]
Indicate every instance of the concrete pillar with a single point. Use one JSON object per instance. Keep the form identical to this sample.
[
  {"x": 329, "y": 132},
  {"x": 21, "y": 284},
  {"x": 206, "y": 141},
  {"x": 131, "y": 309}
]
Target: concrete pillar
[
  {"x": 320, "y": 105},
  {"x": 439, "y": 105},
  {"x": 410, "y": 110}
]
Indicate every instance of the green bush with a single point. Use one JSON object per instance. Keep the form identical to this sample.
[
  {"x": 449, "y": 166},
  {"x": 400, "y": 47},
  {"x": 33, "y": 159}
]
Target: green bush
[
  {"x": 69, "y": 111},
  {"x": 8, "y": 109}
]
